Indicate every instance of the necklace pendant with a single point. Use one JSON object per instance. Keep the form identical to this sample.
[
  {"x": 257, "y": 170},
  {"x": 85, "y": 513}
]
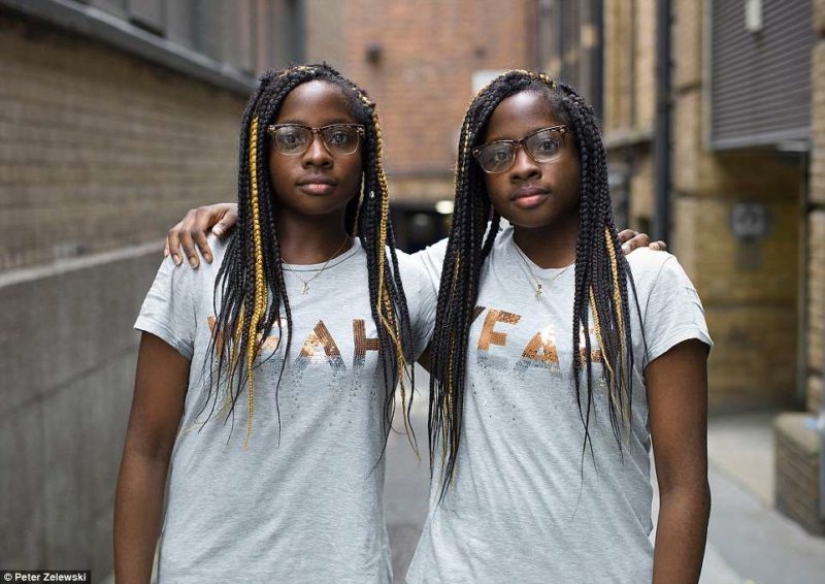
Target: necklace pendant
[
  {"x": 538, "y": 291},
  {"x": 306, "y": 289}
]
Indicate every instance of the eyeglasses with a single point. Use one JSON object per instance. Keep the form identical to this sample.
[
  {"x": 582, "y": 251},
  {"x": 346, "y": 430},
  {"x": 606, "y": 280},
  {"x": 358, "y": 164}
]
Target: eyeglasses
[
  {"x": 294, "y": 139},
  {"x": 544, "y": 145}
]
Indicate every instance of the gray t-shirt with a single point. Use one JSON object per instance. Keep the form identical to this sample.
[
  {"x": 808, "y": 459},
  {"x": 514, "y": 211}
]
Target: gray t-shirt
[
  {"x": 303, "y": 503},
  {"x": 525, "y": 505}
]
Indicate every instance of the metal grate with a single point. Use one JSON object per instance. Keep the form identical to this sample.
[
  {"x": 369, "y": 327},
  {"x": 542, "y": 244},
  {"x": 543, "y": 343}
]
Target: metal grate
[{"x": 760, "y": 80}]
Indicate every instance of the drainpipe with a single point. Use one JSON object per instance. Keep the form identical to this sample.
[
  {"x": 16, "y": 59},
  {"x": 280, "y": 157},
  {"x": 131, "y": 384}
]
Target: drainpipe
[
  {"x": 661, "y": 138},
  {"x": 821, "y": 428}
]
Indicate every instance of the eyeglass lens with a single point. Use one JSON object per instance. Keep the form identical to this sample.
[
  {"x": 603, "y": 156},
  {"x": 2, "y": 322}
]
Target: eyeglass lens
[
  {"x": 339, "y": 140},
  {"x": 542, "y": 146}
]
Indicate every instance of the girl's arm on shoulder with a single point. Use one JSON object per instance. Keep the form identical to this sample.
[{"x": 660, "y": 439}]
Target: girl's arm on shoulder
[
  {"x": 677, "y": 396},
  {"x": 161, "y": 382},
  {"x": 189, "y": 234},
  {"x": 633, "y": 240}
]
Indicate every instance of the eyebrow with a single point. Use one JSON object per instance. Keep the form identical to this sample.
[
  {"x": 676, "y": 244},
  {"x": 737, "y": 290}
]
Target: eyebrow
[
  {"x": 533, "y": 131},
  {"x": 334, "y": 121}
]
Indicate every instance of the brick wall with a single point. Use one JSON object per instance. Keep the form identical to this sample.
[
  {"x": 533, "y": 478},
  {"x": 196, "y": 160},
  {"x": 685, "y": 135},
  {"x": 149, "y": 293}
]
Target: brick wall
[
  {"x": 797, "y": 471},
  {"x": 798, "y": 488},
  {"x": 749, "y": 289},
  {"x": 816, "y": 304},
  {"x": 423, "y": 80},
  {"x": 816, "y": 221},
  {"x": 644, "y": 70},
  {"x": 618, "y": 65},
  {"x": 630, "y": 93},
  {"x": 98, "y": 149}
]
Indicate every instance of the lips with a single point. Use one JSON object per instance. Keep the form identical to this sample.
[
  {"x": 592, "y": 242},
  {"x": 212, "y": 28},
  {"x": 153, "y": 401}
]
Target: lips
[
  {"x": 316, "y": 184},
  {"x": 529, "y": 197}
]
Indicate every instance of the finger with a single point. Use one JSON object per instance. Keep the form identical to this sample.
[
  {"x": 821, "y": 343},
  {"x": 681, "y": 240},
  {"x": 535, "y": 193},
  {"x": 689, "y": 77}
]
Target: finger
[
  {"x": 658, "y": 246},
  {"x": 222, "y": 227},
  {"x": 198, "y": 230},
  {"x": 626, "y": 235},
  {"x": 187, "y": 245},
  {"x": 173, "y": 242},
  {"x": 200, "y": 240},
  {"x": 227, "y": 223},
  {"x": 638, "y": 240},
  {"x": 199, "y": 237}
]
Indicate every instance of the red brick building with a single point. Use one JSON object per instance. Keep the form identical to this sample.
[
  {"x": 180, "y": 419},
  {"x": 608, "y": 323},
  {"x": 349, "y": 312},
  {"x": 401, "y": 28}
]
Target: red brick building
[{"x": 422, "y": 62}]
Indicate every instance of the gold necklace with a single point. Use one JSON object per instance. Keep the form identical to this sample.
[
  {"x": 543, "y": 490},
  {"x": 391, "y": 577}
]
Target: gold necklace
[
  {"x": 539, "y": 284},
  {"x": 305, "y": 289}
]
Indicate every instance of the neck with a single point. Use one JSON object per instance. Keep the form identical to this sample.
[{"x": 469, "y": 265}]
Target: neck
[
  {"x": 552, "y": 246},
  {"x": 311, "y": 240}
]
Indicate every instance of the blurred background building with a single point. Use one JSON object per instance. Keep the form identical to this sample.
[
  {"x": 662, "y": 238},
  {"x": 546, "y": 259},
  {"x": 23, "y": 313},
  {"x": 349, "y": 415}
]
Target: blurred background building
[
  {"x": 712, "y": 114},
  {"x": 116, "y": 116}
]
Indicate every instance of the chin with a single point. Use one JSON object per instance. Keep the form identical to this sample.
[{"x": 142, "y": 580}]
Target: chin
[{"x": 527, "y": 222}]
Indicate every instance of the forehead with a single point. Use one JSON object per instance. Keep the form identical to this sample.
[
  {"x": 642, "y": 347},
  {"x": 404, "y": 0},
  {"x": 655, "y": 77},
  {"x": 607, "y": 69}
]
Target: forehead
[
  {"x": 520, "y": 114},
  {"x": 316, "y": 103}
]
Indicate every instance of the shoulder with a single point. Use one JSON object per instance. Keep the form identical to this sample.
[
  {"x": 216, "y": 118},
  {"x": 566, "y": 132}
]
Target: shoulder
[
  {"x": 413, "y": 268},
  {"x": 219, "y": 247},
  {"x": 669, "y": 306},
  {"x": 185, "y": 280},
  {"x": 645, "y": 260},
  {"x": 433, "y": 254},
  {"x": 431, "y": 260},
  {"x": 649, "y": 267}
]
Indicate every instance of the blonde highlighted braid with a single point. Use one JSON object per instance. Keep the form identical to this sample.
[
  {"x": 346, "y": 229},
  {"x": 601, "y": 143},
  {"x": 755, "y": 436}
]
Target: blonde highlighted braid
[{"x": 250, "y": 292}]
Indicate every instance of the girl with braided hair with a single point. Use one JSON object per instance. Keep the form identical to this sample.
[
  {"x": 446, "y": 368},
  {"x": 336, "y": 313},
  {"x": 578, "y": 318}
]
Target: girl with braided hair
[
  {"x": 265, "y": 381},
  {"x": 555, "y": 361}
]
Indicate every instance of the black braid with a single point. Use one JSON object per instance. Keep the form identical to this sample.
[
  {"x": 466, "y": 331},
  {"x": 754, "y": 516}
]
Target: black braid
[
  {"x": 467, "y": 250},
  {"x": 237, "y": 340}
]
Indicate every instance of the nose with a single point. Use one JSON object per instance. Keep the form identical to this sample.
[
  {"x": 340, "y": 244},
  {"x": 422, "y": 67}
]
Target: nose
[
  {"x": 524, "y": 166},
  {"x": 317, "y": 153}
]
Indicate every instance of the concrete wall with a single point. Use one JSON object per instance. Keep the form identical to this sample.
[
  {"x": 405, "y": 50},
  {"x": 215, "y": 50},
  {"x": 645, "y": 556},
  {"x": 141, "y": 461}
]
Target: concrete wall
[
  {"x": 99, "y": 153},
  {"x": 67, "y": 353}
]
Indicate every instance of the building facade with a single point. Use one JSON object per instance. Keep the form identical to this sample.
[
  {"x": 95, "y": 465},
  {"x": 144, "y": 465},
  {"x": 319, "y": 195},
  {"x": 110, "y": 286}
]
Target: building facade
[
  {"x": 422, "y": 62},
  {"x": 729, "y": 94},
  {"x": 116, "y": 117}
]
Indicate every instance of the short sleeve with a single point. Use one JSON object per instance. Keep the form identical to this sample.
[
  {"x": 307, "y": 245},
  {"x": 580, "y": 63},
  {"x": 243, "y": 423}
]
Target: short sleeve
[
  {"x": 421, "y": 300},
  {"x": 431, "y": 260},
  {"x": 168, "y": 310},
  {"x": 674, "y": 312}
]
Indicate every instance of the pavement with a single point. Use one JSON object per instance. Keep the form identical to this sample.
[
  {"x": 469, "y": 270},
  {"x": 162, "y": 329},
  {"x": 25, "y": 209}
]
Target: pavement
[{"x": 749, "y": 542}]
